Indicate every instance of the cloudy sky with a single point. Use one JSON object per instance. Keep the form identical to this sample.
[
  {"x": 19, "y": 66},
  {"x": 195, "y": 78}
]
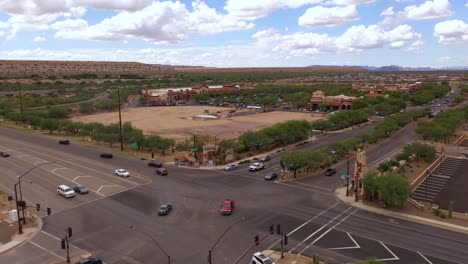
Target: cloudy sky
[{"x": 238, "y": 33}]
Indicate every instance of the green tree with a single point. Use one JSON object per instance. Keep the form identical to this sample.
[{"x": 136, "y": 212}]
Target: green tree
[
  {"x": 295, "y": 160},
  {"x": 394, "y": 189},
  {"x": 86, "y": 107},
  {"x": 322, "y": 125},
  {"x": 59, "y": 112},
  {"x": 370, "y": 185},
  {"x": 268, "y": 100},
  {"x": 49, "y": 124}
]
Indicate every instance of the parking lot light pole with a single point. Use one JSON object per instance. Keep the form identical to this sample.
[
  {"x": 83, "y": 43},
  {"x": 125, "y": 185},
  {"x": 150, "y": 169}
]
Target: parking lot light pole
[
  {"x": 222, "y": 235},
  {"x": 154, "y": 241},
  {"x": 20, "y": 178}
]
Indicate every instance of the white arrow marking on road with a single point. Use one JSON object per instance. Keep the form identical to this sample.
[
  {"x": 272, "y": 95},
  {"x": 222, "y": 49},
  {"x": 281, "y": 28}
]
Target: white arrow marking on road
[
  {"x": 80, "y": 177},
  {"x": 352, "y": 239},
  {"x": 102, "y": 186},
  {"x": 394, "y": 256},
  {"x": 424, "y": 257}
]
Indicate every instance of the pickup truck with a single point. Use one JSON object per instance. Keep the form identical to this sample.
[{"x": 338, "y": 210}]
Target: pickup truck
[{"x": 256, "y": 166}]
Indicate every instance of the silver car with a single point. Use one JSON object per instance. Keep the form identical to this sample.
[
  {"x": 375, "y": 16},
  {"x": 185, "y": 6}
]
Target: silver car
[{"x": 231, "y": 167}]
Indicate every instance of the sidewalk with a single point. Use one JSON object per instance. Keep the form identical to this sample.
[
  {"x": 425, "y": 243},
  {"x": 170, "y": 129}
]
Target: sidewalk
[
  {"x": 341, "y": 194},
  {"x": 28, "y": 234}
]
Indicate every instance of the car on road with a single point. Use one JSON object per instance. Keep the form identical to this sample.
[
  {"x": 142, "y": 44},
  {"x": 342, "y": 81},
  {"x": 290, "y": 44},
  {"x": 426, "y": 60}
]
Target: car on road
[
  {"x": 259, "y": 258},
  {"x": 92, "y": 260},
  {"x": 4, "y": 154},
  {"x": 231, "y": 167},
  {"x": 106, "y": 155},
  {"x": 64, "y": 142},
  {"x": 265, "y": 158},
  {"x": 161, "y": 171},
  {"x": 122, "y": 173},
  {"x": 271, "y": 176},
  {"x": 164, "y": 209},
  {"x": 65, "y": 191},
  {"x": 155, "y": 164},
  {"x": 330, "y": 172},
  {"x": 256, "y": 166},
  {"x": 81, "y": 189},
  {"x": 438, "y": 105},
  {"x": 227, "y": 207}
]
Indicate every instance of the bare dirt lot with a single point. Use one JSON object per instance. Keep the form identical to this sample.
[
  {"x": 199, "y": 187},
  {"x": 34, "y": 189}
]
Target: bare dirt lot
[{"x": 168, "y": 121}]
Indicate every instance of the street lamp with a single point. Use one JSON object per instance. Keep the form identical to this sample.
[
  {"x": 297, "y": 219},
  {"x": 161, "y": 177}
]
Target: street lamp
[
  {"x": 217, "y": 241},
  {"x": 154, "y": 241},
  {"x": 20, "y": 227}
]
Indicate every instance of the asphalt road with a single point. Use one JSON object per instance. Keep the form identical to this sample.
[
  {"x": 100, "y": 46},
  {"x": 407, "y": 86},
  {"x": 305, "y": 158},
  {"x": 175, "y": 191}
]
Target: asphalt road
[{"x": 307, "y": 210}]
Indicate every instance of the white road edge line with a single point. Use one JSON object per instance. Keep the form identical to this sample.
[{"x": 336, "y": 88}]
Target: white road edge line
[
  {"x": 301, "y": 226},
  {"x": 318, "y": 230},
  {"x": 424, "y": 257},
  {"x": 303, "y": 188},
  {"x": 331, "y": 228},
  {"x": 58, "y": 239},
  {"x": 394, "y": 256},
  {"x": 83, "y": 176},
  {"x": 352, "y": 239},
  {"x": 102, "y": 186},
  {"x": 45, "y": 249}
]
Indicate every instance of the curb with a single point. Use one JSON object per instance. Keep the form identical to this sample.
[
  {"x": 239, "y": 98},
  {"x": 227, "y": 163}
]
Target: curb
[
  {"x": 18, "y": 240},
  {"x": 416, "y": 219}
]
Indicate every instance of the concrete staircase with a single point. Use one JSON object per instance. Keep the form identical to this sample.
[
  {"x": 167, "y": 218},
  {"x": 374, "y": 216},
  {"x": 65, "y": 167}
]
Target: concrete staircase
[{"x": 430, "y": 188}]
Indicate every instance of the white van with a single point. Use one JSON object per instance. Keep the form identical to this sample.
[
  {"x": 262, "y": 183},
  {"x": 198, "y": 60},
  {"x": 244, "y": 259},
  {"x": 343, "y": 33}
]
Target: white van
[
  {"x": 65, "y": 191},
  {"x": 259, "y": 258}
]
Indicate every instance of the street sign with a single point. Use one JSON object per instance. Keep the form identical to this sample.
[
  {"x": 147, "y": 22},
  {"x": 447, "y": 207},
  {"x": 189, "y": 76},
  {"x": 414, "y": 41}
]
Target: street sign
[{"x": 344, "y": 176}]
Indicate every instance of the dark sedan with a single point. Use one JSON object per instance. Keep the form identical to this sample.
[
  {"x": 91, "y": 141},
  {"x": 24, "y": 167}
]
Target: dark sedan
[
  {"x": 271, "y": 176},
  {"x": 106, "y": 155},
  {"x": 4, "y": 154},
  {"x": 155, "y": 164},
  {"x": 81, "y": 189},
  {"x": 330, "y": 172},
  {"x": 92, "y": 260},
  {"x": 64, "y": 142},
  {"x": 164, "y": 209}
]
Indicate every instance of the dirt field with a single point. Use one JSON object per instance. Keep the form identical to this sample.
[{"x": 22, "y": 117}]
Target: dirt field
[{"x": 168, "y": 121}]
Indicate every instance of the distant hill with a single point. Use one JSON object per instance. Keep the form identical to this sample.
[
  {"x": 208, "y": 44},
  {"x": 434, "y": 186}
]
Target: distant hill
[
  {"x": 273, "y": 69},
  {"x": 400, "y": 68}
]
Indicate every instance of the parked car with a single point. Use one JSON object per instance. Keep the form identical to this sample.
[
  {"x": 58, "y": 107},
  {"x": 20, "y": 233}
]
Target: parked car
[
  {"x": 259, "y": 258},
  {"x": 330, "y": 172},
  {"x": 271, "y": 176},
  {"x": 122, "y": 173},
  {"x": 161, "y": 171},
  {"x": 231, "y": 167},
  {"x": 4, "y": 154},
  {"x": 265, "y": 158},
  {"x": 92, "y": 260},
  {"x": 106, "y": 155},
  {"x": 256, "y": 166},
  {"x": 65, "y": 191},
  {"x": 164, "y": 209},
  {"x": 155, "y": 164},
  {"x": 227, "y": 207},
  {"x": 81, "y": 189},
  {"x": 64, "y": 142}
]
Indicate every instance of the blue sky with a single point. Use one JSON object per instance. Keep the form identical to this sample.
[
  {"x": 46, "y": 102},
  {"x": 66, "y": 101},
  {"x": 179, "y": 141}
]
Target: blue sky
[{"x": 238, "y": 33}]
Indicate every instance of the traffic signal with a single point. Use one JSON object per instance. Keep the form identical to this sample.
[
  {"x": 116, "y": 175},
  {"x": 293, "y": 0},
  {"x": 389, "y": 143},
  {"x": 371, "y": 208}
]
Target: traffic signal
[
  {"x": 271, "y": 229},
  {"x": 256, "y": 240},
  {"x": 21, "y": 204},
  {"x": 278, "y": 229},
  {"x": 38, "y": 207},
  {"x": 69, "y": 230},
  {"x": 49, "y": 211},
  {"x": 285, "y": 240},
  {"x": 62, "y": 243},
  {"x": 359, "y": 167}
]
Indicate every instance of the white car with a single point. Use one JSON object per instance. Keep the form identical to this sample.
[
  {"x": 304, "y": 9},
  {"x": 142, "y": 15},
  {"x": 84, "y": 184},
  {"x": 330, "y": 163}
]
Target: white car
[
  {"x": 256, "y": 166},
  {"x": 122, "y": 173},
  {"x": 259, "y": 258},
  {"x": 65, "y": 191},
  {"x": 231, "y": 167}
]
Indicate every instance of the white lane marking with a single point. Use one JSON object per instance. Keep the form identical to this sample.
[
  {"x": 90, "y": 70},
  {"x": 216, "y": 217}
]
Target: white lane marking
[
  {"x": 79, "y": 165},
  {"x": 424, "y": 257},
  {"x": 83, "y": 176},
  {"x": 326, "y": 232},
  {"x": 56, "y": 238},
  {"x": 53, "y": 171},
  {"x": 393, "y": 254},
  {"x": 103, "y": 186},
  {"x": 318, "y": 230},
  {"x": 315, "y": 186},
  {"x": 388, "y": 155},
  {"x": 43, "y": 248},
  {"x": 303, "y": 188},
  {"x": 352, "y": 239},
  {"x": 308, "y": 221}
]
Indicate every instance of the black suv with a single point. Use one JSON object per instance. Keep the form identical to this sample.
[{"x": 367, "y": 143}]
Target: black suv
[
  {"x": 165, "y": 209},
  {"x": 265, "y": 158},
  {"x": 92, "y": 260},
  {"x": 330, "y": 172},
  {"x": 64, "y": 142},
  {"x": 106, "y": 155},
  {"x": 155, "y": 164}
]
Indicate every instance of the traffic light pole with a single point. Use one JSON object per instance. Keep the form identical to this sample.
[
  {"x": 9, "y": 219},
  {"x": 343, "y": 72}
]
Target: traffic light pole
[
  {"x": 347, "y": 179},
  {"x": 20, "y": 226},
  {"x": 247, "y": 251},
  {"x": 68, "y": 246}
]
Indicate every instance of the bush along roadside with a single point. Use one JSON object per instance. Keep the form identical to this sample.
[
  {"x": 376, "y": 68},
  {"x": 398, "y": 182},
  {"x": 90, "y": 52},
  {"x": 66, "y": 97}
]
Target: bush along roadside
[{"x": 443, "y": 125}]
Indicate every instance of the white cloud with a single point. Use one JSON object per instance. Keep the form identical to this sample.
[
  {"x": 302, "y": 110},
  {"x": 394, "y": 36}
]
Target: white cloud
[
  {"x": 162, "y": 23},
  {"x": 251, "y": 10},
  {"x": 349, "y": 2},
  {"x": 4, "y": 24},
  {"x": 2, "y": 33},
  {"x": 436, "y": 9},
  {"x": 319, "y": 16},
  {"x": 388, "y": 12},
  {"x": 397, "y": 44},
  {"x": 451, "y": 32},
  {"x": 416, "y": 46},
  {"x": 39, "y": 39},
  {"x": 124, "y": 5},
  {"x": 70, "y": 24}
]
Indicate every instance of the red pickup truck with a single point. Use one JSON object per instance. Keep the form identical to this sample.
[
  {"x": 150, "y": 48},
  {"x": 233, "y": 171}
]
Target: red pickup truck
[{"x": 227, "y": 207}]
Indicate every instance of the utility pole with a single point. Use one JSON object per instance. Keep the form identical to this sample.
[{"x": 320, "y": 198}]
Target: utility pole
[
  {"x": 347, "y": 179},
  {"x": 120, "y": 120},
  {"x": 222, "y": 235},
  {"x": 21, "y": 102},
  {"x": 65, "y": 242},
  {"x": 20, "y": 226}
]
